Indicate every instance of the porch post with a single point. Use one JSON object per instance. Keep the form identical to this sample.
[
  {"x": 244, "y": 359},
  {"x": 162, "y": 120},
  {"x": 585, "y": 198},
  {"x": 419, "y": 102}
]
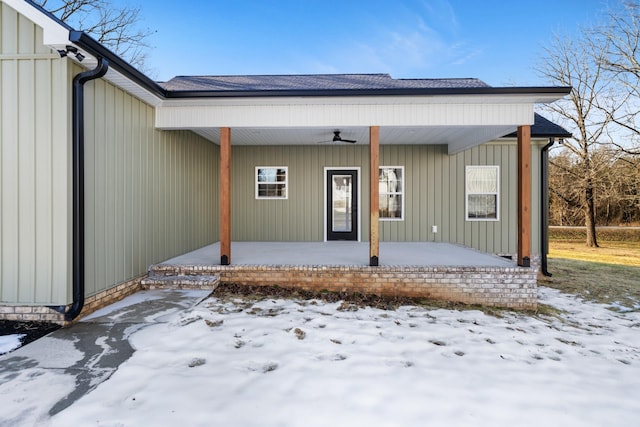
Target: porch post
[
  {"x": 225, "y": 196},
  {"x": 374, "y": 195},
  {"x": 524, "y": 196}
]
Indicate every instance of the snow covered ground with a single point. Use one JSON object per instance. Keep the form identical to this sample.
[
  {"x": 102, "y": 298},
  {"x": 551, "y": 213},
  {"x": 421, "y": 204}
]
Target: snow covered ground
[
  {"x": 308, "y": 363},
  {"x": 10, "y": 342}
]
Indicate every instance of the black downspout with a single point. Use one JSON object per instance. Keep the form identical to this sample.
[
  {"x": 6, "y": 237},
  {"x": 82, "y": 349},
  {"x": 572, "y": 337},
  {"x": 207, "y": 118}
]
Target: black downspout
[
  {"x": 544, "y": 207},
  {"x": 78, "y": 184}
]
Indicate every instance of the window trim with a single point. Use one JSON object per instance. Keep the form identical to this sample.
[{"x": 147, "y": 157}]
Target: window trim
[
  {"x": 286, "y": 183},
  {"x": 467, "y": 193},
  {"x": 402, "y": 193}
]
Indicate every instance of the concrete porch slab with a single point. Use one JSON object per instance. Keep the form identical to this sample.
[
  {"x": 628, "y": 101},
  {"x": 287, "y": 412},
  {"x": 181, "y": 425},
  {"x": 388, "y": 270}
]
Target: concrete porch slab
[{"x": 342, "y": 253}]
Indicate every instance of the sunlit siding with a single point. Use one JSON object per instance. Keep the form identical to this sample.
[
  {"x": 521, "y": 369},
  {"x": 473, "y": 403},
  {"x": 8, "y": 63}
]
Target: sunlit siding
[
  {"x": 35, "y": 252},
  {"x": 434, "y": 194},
  {"x": 150, "y": 194},
  {"x": 301, "y": 216}
]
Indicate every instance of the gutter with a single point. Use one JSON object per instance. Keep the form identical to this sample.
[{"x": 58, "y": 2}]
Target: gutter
[
  {"x": 544, "y": 207},
  {"x": 527, "y": 91}
]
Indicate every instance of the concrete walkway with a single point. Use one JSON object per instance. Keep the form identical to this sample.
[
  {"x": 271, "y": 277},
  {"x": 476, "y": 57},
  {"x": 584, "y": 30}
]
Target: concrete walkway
[{"x": 81, "y": 357}]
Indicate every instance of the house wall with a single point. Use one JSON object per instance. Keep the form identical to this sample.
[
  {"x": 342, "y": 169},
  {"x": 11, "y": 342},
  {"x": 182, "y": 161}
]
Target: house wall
[
  {"x": 434, "y": 194},
  {"x": 301, "y": 216},
  {"x": 149, "y": 194},
  {"x": 35, "y": 253}
]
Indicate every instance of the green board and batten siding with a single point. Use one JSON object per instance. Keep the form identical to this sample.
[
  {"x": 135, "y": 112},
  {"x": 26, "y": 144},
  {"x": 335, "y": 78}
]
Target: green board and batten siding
[
  {"x": 35, "y": 255},
  {"x": 150, "y": 194},
  {"x": 434, "y": 194}
]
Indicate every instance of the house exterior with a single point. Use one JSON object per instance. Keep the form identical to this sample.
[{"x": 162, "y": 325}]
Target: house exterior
[{"x": 105, "y": 172}]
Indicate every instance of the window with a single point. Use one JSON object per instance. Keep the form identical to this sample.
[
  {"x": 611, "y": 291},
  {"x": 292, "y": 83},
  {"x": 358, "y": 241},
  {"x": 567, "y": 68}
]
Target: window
[
  {"x": 482, "y": 190},
  {"x": 391, "y": 187},
  {"x": 271, "y": 182}
]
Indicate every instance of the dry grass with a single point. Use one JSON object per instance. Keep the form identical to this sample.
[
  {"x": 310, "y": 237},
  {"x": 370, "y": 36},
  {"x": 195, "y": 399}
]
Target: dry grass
[
  {"x": 619, "y": 253},
  {"x": 608, "y": 274}
]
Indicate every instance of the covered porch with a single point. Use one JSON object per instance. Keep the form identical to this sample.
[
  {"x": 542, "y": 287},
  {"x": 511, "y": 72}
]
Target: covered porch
[{"x": 442, "y": 271}]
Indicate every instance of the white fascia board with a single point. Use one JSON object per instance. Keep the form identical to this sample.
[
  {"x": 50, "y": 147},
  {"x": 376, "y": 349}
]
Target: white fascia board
[
  {"x": 54, "y": 34},
  {"x": 343, "y": 114}
]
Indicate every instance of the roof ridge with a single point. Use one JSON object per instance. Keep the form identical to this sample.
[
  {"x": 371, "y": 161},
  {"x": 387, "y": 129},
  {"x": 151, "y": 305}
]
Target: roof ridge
[{"x": 287, "y": 75}]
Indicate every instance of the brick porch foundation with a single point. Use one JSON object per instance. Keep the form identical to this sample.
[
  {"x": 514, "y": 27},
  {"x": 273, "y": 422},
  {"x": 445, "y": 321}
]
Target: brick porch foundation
[{"x": 511, "y": 287}]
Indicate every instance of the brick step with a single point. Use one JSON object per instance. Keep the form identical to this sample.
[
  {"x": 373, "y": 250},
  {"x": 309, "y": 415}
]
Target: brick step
[{"x": 181, "y": 282}]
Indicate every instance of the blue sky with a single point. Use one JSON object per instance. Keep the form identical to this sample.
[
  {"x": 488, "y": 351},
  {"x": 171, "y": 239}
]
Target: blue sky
[{"x": 498, "y": 41}]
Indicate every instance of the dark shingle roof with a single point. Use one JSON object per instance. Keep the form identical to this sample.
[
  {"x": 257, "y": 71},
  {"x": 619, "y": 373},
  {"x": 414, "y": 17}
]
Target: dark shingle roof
[
  {"x": 312, "y": 82},
  {"x": 544, "y": 128}
]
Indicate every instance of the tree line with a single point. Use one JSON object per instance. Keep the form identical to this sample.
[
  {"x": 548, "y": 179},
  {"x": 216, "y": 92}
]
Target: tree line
[{"x": 616, "y": 188}]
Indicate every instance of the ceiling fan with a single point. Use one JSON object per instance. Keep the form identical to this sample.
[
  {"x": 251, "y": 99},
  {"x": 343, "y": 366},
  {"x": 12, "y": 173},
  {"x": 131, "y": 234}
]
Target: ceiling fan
[{"x": 338, "y": 138}]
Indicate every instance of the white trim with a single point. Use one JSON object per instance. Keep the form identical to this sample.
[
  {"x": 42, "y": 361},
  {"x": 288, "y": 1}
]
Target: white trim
[
  {"x": 324, "y": 186},
  {"x": 403, "y": 192},
  {"x": 286, "y": 183},
  {"x": 53, "y": 34},
  {"x": 497, "y": 193},
  {"x": 344, "y": 112}
]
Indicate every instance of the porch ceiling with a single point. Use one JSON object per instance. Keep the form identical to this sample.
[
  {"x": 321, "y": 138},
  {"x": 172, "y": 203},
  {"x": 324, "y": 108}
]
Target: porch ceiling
[{"x": 457, "y": 138}]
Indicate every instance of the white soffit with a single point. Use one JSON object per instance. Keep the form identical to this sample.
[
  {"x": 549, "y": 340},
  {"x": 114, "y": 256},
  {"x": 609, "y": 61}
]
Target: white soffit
[
  {"x": 120, "y": 81},
  {"x": 457, "y": 138}
]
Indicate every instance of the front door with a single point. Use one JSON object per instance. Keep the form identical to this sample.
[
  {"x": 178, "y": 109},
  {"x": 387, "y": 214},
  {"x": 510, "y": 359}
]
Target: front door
[{"x": 342, "y": 204}]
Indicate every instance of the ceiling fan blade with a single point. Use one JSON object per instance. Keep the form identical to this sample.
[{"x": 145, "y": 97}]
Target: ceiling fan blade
[{"x": 351, "y": 141}]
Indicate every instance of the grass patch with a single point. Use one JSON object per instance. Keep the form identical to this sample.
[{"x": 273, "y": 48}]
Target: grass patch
[
  {"x": 596, "y": 281},
  {"x": 610, "y": 252}
]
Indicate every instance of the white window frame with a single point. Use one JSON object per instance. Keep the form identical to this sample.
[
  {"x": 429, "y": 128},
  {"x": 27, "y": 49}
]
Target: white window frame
[
  {"x": 467, "y": 193},
  {"x": 286, "y": 183},
  {"x": 401, "y": 193}
]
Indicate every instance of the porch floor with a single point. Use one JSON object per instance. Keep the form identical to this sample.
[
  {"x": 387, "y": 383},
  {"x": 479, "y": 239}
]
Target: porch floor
[{"x": 342, "y": 253}]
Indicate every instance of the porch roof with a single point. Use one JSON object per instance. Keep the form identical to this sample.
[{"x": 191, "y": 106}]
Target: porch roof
[
  {"x": 343, "y": 253},
  {"x": 281, "y": 110}
]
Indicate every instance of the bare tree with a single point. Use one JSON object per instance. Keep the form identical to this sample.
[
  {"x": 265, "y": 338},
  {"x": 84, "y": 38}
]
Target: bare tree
[
  {"x": 622, "y": 59},
  {"x": 116, "y": 28},
  {"x": 587, "y": 112}
]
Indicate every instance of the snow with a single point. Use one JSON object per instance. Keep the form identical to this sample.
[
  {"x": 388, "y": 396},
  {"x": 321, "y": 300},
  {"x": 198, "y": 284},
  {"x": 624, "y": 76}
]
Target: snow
[
  {"x": 291, "y": 362},
  {"x": 10, "y": 342}
]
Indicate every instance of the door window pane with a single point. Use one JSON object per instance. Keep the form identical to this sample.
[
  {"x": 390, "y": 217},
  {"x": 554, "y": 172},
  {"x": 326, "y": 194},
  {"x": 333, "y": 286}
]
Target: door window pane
[{"x": 341, "y": 208}]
